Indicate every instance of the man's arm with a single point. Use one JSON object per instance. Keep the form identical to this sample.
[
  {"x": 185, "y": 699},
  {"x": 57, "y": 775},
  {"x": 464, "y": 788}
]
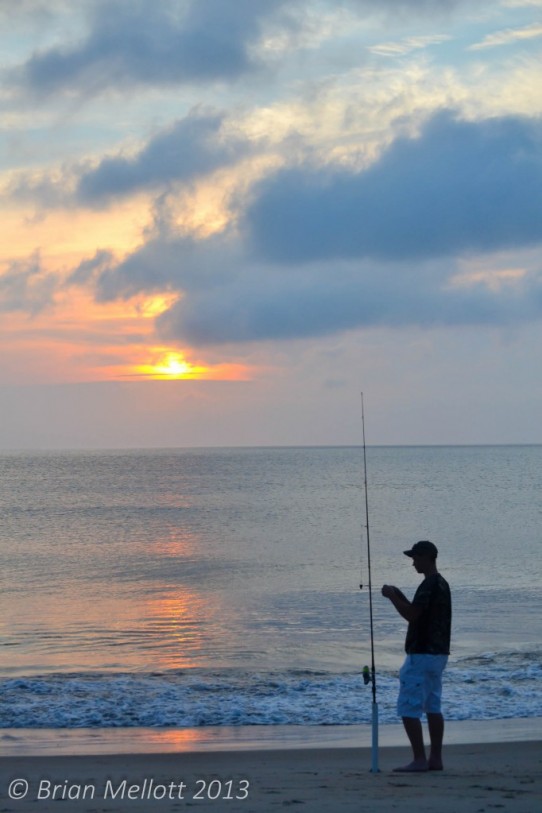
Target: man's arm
[{"x": 405, "y": 608}]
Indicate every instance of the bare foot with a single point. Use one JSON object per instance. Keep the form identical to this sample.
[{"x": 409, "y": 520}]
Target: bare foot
[
  {"x": 417, "y": 766},
  {"x": 435, "y": 764}
]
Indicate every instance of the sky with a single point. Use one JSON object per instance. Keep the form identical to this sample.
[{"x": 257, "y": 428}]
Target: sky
[{"x": 223, "y": 220}]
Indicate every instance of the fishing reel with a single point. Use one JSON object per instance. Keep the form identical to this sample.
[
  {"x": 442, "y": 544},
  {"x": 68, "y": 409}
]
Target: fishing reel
[{"x": 367, "y": 677}]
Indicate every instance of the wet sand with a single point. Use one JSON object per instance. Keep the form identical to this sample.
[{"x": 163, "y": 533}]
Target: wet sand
[{"x": 477, "y": 778}]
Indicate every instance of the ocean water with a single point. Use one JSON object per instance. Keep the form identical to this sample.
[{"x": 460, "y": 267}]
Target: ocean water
[{"x": 221, "y": 587}]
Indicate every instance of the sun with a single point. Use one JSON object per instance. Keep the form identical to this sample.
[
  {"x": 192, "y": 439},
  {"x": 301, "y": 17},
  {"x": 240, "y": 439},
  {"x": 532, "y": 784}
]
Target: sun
[
  {"x": 175, "y": 366},
  {"x": 164, "y": 364},
  {"x": 171, "y": 365}
]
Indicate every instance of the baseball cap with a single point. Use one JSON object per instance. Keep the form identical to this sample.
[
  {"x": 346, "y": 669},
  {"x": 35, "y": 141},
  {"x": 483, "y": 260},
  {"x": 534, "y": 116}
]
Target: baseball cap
[{"x": 422, "y": 548}]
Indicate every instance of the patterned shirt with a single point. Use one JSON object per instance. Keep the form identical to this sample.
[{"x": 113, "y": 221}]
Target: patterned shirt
[{"x": 430, "y": 634}]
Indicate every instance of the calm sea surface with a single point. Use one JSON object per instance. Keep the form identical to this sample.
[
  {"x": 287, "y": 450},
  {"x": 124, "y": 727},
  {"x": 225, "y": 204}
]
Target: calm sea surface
[{"x": 221, "y": 587}]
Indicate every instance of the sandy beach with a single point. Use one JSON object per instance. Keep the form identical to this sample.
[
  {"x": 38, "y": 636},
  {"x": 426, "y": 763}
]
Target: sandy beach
[{"x": 477, "y": 778}]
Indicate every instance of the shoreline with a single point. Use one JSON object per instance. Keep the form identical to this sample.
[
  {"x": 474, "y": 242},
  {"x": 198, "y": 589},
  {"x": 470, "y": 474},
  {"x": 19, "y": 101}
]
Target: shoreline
[
  {"x": 110, "y": 741},
  {"x": 477, "y": 777}
]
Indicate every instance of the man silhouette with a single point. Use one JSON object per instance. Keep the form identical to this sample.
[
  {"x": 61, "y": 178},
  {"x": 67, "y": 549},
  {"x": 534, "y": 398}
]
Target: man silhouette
[{"x": 427, "y": 647}]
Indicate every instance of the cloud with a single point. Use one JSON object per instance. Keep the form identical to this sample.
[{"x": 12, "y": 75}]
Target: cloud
[
  {"x": 225, "y": 297},
  {"x": 261, "y": 304},
  {"x": 26, "y": 287},
  {"x": 458, "y": 187},
  {"x": 144, "y": 42},
  {"x": 406, "y": 46},
  {"x": 405, "y": 9},
  {"x": 89, "y": 269},
  {"x": 509, "y": 36},
  {"x": 189, "y": 148},
  {"x": 521, "y": 3},
  {"x": 31, "y": 8},
  {"x": 131, "y": 43},
  {"x": 166, "y": 262},
  {"x": 49, "y": 190},
  {"x": 321, "y": 251}
]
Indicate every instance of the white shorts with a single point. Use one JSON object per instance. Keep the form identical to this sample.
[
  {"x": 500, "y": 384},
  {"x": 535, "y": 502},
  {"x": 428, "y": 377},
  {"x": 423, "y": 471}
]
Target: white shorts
[{"x": 421, "y": 685}]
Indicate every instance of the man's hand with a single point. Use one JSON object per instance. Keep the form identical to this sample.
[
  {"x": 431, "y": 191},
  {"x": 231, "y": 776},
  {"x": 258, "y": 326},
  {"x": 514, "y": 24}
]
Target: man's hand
[{"x": 409, "y": 611}]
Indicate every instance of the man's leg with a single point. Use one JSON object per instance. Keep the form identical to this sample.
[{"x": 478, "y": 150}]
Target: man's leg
[
  {"x": 410, "y": 709},
  {"x": 435, "y": 720},
  {"x": 436, "y": 735},
  {"x": 413, "y": 728}
]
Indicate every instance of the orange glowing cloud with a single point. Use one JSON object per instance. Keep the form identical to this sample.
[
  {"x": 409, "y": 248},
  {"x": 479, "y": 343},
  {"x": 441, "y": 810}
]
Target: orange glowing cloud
[
  {"x": 73, "y": 338},
  {"x": 66, "y": 237},
  {"x": 129, "y": 350},
  {"x": 79, "y": 340}
]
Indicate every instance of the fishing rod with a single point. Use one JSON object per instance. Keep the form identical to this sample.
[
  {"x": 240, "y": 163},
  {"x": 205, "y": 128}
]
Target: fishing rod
[{"x": 370, "y": 676}]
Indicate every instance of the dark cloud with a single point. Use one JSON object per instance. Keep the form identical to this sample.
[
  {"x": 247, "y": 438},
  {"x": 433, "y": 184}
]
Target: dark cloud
[
  {"x": 227, "y": 298},
  {"x": 189, "y": 148},
  {"x": 264, "y": 303},
  {"x": 459, "y": 187},
  {"x": 89, "y": 269},
  {"x": 169, "y": 42},
  {"x": 166, "y": 262},
  {"x": 144, "y": 42},
  {"x": 26, "y": 287},
  {"x": 329, "y": 299},
  {"x": 330, "y": 251},
  {"x": 45, "y": 190}
]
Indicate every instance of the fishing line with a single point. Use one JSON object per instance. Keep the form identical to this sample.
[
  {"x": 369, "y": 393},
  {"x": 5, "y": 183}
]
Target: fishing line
[{"x": 370, "y": 676}]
